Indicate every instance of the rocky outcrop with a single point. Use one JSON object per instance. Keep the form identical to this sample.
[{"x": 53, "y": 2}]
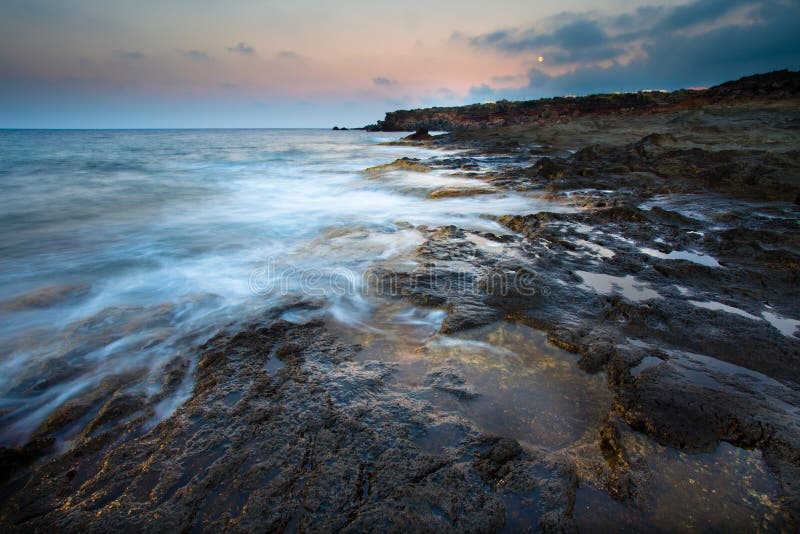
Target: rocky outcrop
[
  {"x": 284, "y": 431},
  {"x": 778, "y": 84}
]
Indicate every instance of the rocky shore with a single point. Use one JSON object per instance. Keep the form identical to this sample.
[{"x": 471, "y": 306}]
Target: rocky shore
[
  {"x": 775, "y": 85},
  {"x": 660, "y": 312}
]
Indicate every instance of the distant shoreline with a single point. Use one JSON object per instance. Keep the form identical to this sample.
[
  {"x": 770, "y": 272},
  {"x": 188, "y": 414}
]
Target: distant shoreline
[{"x": 776, "y": 84}]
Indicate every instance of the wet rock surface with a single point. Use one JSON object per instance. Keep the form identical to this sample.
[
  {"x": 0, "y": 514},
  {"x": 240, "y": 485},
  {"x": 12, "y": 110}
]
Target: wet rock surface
[
  {"x": 323, "y": 443},
  {"x": 678, "y": 278},
  {"x": 449, "y": 381}
]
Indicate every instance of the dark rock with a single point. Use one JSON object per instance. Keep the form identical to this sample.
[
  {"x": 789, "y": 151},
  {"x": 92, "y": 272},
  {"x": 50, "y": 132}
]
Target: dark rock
[
  {"x": 13, "y": 459},
  {"x": 548, "y": 168},
  {"x": 420, "y": 135},
  {"x": 321, "y": 446},
  {"x": 446, "y": 379}
]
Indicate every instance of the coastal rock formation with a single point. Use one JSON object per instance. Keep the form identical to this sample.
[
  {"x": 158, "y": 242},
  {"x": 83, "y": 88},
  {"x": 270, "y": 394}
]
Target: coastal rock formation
[
  {"x": 774, "y": 85},
  {"x": 678, "y": 276},
  {"x": 285, "y": 431}
]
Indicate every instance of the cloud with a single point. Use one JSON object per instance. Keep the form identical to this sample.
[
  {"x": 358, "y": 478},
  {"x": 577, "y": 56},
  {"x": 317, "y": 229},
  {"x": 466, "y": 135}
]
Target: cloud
[
  {"x": 507, "y": 79},
  {"x": 580, "y": 38},
  {"x": 128, "y": 54},
  {"x": 383, "y": 81},
  {"x": 195, "y": 55},
  {"x": 288, "y": 55},
  {"x": 574, "y": 35},
  {"x": 242, "y": 48},
  {"x": 701, "y": 43},
  {"x": 693, "y": 14}
]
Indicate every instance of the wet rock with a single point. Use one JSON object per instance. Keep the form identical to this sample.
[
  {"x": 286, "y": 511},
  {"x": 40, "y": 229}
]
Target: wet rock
[
  {"x": 446, "y": 379},
  {"x": 495, "y": 454},
  {"x": 466, "y": 313},
  {"x": 13, "y": 459},
  {"x": 118, "y": 407},
  {"x": 451, "y": 192},
  {"x": 547, "y": 168},
  {"x": 712, "y": 181},
  {"x": 402, "y": 164},
  {"x": 655, "y": 144},
  {"x": 323, "y": 445},
  {"x": 629, "y": 477},
  {"x": 595, "y": 347},
  {"x": 174, "y": 373},
  {"x": 45, "y": 297},
  {"x": 420, "y": 135},
  {"x": 72, "y": 411}
]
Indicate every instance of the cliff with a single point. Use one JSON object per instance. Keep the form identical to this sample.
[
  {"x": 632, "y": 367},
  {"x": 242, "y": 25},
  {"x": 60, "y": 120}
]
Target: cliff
[{"x": 778, "y": 84}]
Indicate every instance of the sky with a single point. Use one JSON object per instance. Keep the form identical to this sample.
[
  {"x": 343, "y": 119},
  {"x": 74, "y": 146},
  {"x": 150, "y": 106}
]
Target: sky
[{"x": 319, "y": 63}]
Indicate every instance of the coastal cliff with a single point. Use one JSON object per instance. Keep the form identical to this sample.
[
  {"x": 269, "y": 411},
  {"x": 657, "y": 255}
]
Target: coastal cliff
[{"x": 773, "y": 85}]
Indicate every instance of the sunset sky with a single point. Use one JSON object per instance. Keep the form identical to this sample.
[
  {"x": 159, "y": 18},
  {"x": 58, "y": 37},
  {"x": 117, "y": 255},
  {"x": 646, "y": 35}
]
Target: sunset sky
[{"x": 316, "y": 63}]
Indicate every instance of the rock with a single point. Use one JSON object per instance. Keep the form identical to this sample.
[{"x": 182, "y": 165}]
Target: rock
[
  {"x": 655, "y": 144},
  {"x": 467, "y": 312},
  {"x": 13, "y": 459},
  {"x": 548, "y": 168},
  {"x": 402, "y": 164},
  {"x": 446, "y": 379},
  {"x": 494, "y": 456},
  {"x": 420, "y": 135},
  {"x": 451, "y": 192},
  {"x": 323, "y": 445},
  {"x": 779, "y": 84},
  {"x": 45, "y": 297}
]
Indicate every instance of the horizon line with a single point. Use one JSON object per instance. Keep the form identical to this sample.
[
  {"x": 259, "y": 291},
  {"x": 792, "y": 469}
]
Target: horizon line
[{"x": 145, "y": 128}]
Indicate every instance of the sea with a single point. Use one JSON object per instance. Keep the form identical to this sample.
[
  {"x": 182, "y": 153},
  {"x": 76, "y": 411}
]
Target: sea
[{"x": 121, "y": 250}]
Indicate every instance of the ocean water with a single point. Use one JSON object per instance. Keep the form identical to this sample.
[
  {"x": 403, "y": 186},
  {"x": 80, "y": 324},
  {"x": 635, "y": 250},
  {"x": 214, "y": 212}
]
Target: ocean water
[{"x": 122, "y": 250}]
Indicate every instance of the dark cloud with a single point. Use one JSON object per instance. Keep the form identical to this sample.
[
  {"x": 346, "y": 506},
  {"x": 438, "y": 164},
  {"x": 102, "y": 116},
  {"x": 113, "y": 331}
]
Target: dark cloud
[
  {"x": 380, "y": 80},
  {"x": 701, "y": 43},
  {"x": 195, "y": 55},
  {"x": 580, "y": 34},
  {"x": 128, "y": 54},
  {"x": 696, "y": 13},
  {"x": 242, "y": 48},
  {"x": 572, "y": 37},
  {"x": 585, "y": 55}
]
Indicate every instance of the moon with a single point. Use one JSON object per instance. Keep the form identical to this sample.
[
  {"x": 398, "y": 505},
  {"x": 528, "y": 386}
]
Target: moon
[{"x": 541, "y": 59}]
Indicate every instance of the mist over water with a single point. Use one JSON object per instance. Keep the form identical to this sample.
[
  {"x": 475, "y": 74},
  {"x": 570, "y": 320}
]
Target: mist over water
[{"x": 121, "y": 250}]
